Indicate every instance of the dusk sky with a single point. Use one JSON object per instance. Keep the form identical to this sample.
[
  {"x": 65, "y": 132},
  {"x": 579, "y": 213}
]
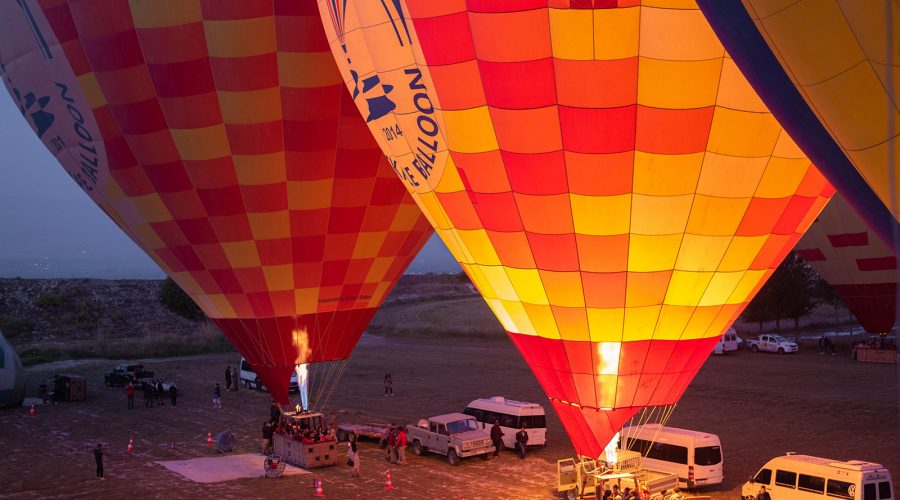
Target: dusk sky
[{"x": 49, "y": 228}]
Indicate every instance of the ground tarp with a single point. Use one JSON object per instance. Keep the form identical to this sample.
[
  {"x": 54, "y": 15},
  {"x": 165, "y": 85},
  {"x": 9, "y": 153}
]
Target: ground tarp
[{"x": 223, "y": 468}]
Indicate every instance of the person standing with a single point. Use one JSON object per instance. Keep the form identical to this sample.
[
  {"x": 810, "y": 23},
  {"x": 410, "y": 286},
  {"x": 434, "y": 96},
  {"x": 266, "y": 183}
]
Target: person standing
[
  {"x": 354, "y": 455},
  {"x": 129, "y": 391},
  {"x": 148, "y": 395},
  {"x": 763, "y": 494},
  {"x": 98, "y": 458},
  {"x": 173, "y": 394},
  {"x": 267, "y": 432},
  {"x": 522, "y": 442},
  {"x": 217, "y": 397},
  {"x": 274, "y": 411},
  {"x": 388, "y": 385},
  {"x": 391, "y": 440},
  {"x": 235, "y": 379},
  {"x": 497, "y": 437},
  {"x": 227, "y": 378},
  {"x": 400, "y": 444},
  {"x": 160, "y": 393}
]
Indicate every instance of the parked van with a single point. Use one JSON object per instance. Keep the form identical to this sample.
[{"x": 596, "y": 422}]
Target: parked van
[
  {"x": 729, "y": 342},
  {"x": 512, "y": 415},
  {"x": 804, "y": 477},
  {"x": 251, "y": 381},
  {"x": 695, "y": 456}
]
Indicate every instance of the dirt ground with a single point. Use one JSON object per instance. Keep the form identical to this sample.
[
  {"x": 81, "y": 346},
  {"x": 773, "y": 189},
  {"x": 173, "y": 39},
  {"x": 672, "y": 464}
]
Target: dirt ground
[{"x": 760, "y": 405}]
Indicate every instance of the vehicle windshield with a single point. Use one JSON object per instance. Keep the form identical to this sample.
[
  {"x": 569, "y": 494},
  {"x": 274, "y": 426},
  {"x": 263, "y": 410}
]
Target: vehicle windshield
[
  {"x": 778, "y": 338},
  {"x": 462, "y": 426}
]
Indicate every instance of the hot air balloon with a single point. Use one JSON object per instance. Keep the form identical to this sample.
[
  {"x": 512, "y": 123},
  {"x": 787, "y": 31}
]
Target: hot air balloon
[
  {"x": 605, "y": 176},
  {"x": 822, "y": 68},
  {"x": 857, "y": 265},
  {"x": 219, "y": 137},
  {"x": 12, "y": 376}
]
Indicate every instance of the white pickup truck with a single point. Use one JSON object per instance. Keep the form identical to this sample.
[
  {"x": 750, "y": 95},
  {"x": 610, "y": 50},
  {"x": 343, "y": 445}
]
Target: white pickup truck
[
  {"x": 772, "y": 343},
  {"x": 455, "y": 435}
]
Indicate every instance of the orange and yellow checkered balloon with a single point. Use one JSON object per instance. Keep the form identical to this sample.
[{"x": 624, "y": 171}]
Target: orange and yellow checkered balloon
[
  {"x": 601, "y": 170},
  {"x": 219, "y": 136}
]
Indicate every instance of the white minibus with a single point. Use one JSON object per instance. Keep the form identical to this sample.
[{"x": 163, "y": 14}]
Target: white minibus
[
  {"x": 802, "y": 477},
  {"x": 512, "y": 416},
  {"x": 695, "y": 456},
  {"x": 251, "y": 380},
  {"x": 729, "y": 342}
]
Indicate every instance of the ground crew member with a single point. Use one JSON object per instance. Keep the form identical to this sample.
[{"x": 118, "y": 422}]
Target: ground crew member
[
  {"x": 98, "y": 457},
  {"x": 401, "y": 444},
  {"x": 129, "y": 391},
  {"x": 497, "y": 437},
  {"x": 521, "y": 442}
]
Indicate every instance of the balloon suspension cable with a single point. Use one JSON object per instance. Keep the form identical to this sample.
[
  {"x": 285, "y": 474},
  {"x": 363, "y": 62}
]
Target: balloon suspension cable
[{"x": 658, "y": 415}]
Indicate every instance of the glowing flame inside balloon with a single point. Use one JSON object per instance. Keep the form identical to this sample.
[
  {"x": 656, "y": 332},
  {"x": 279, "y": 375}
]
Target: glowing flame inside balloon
[
  {"x": 612, "y": 451},
  {"x": 301, "y": 344},
  {"x": 303, "y": 384}
]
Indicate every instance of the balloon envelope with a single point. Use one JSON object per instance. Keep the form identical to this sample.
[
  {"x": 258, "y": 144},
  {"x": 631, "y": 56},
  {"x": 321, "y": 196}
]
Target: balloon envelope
[
  {"x": 824, "y": 69},
  {"x": 606, "y": 177},
  {"x": 857, "y": 265},
  {"x": 12, "y": 376},
  {"x": 218, "y": 135}
]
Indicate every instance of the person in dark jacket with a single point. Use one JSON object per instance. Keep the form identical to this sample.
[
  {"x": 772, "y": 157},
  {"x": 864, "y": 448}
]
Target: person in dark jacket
[
  {"x": 98, "y": 457},
  {"x": 497, "y": 437},
  {"x": 173, "y": 394},
  {"x": 274, "y": 412},
  {"x": 763, "y": 494},
  {"x": 227, "y": 378},
  {"x": 267, "y": 431},
  {"x": 129, "y": 391},
  {"x": 160, "y": 393},
  {"x": 521, "y": 442},
  {"x": 148, "y": 395}
]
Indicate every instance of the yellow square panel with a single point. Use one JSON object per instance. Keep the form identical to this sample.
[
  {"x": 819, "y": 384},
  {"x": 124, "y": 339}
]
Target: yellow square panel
[
  {"x": 672, "y": 322},
  {"x": 541, "y": 317},
  {"x": 479, "y": 246},
  {"x": 148, "y": 237},
  {"x": 720, "y": 288},
  {"x": 499, "y": 282},
  {"x": 735, "y": 91},
  {"x": 162, "y": 13},
  {"x": 606, "y": 324},
  {"x": 716, "y": 216},
  {"x": 450, "y": 240},
  {"x": 601, "y": 215},
  {"x": 450, "y": 181},
  {"x": 269, "y": 225},
  {"x": 787, "y": 148},
  {"x": 640, "y": 323},
  {"x": 563, "y": 288},
  {"x": 368, "y": 244},
  {"x": 472, "y": 130},
  {"x": 293, "y": 70},
  {"x": 680, "y": 35},
  {"x": 782, "y": 177},
  {"x": 260, "y": 169},
  {"x": 730, "y": 176},
  {"x": 204, "y": 143},
  {"x": 739, "y": 133},
  {"x": 476, "y": 275},
  {"x": 686, "y": 287},
  {"x": 380, "y": 292},
  {"x": 741, "y": 253},
  {"x": 654, "y": 215},
  {"x": 748, "y": 282},
  {"x": 241, "y": 254},
  {"x": 678, "y": 84},
  {"x": 91, "y": 88},
  {"x": 207, "y": 306},
  {"x": 309, "y": 195},
  {"x": 528, "y": 285},
  {"x": 701, "y": 253},
  {"x": 306, "y": 299},
  {"x": 240, "y": 38},
  {"x": 431, "y": 207},
  {"x": 616, "y": 33},
  {"x": 505, "y": 319},
  {"x": 700, "y": 322},
  {"x": 222, "y": 305},
  {"x": 653, "y": 253},
  {"x": 279, "y": 277},
  {"x": 572, "y": 33},
  {"x": 406, "y": 218},
  {"x": 379, "y": 268},
  {"x": 151, "y": 208},
  {"x": 516, "y": 312},
  {"x": 666, "y": 175},
  {"x": 250, "y": 106}
]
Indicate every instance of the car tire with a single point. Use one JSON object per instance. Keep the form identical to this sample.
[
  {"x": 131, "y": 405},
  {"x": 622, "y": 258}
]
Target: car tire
[
  {"x": 452, "y": 457},
  {"x": 486, "y": 457},
  {"x": 570, "y": 495},
  {"x": 754, "y": 348},
  {"x": 107, "y": 382},
  {"x": 382, "y": 443},
  {"x": 418, "y": 449},
  {"x": 780, "y": 350}
]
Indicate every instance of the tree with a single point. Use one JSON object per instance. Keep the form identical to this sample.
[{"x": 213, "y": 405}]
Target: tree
[
  {"x": 760, "y": 309},
  {"x": 173, "y": 297},
  {"x": 794, "y": 289}
]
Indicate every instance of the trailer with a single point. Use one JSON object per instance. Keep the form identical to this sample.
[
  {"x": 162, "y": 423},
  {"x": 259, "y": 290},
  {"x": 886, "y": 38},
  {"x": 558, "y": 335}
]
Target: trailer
[
  {"x": 371, "y": 430},
  {"x": 306, "y": 455},
  {"x": 577, "y": 478}
]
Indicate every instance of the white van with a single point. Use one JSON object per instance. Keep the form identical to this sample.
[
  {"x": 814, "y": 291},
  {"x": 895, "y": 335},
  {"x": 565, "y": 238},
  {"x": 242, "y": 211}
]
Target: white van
[
  {"x": 729, "y": 342},
  {"x": 695, "y": 456},
  {"x": 804, "y": 477},
  {"x": 251, "y": 381},
  {"x": 512, "y": 415}
]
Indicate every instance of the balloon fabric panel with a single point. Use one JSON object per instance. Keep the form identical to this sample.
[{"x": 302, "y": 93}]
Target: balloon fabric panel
[
  {"x": 615, "y": 228},
  {"x": 239, "y": 164}
]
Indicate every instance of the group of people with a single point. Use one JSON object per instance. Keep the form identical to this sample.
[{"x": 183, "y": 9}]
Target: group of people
[
  {"x": 497, "y": 440},
  {"x": 232, "y": 379},
  {"x": 396, "y": 444},
  {"x": 826, "y": 345},
  {"x": 615, "y": 492},
  {"x": 153, "y": 392}
]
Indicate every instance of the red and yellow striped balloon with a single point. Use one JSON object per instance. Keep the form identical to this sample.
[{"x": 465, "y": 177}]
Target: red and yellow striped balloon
[
  {"x": 219, "y": 136},
  {"x": 606, "y": 177}
]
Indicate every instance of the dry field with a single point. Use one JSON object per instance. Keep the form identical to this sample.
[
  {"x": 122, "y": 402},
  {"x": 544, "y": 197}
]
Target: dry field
[{"x": 761, "y": 405}]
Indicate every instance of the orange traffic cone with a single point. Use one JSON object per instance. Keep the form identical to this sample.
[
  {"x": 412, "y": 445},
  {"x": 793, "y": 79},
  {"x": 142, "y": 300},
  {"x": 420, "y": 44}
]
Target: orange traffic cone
[
  {"x": 317, "y": 483},
  {"x": 32, "y": 412},
  {"x": 388, "y": 485},
  {"x": 209, "y": 441},
  {"x": 130, "y": 445}
]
